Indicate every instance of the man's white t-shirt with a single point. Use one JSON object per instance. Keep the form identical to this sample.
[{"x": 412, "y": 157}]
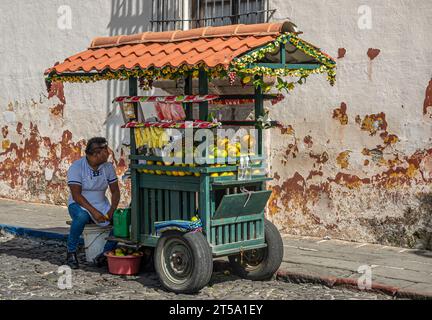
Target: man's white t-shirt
[{"x": 94, "y": 184}]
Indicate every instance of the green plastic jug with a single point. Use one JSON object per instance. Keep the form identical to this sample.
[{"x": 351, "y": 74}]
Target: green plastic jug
[{"x": 122, "y": 221}]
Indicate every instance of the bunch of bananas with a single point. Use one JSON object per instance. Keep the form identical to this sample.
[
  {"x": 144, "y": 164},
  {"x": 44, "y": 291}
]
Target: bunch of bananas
[{"x": 151, "y": 137}]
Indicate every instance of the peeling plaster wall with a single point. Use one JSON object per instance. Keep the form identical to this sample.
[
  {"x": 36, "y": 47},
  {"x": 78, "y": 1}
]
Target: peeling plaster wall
[
  {"x": 353, "y": 161},
  {"x": 43, "y": 132}
]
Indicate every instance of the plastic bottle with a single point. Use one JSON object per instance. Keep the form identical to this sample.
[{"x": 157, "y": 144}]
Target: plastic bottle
[
  {"x": 248, "y": 169},
  {"x": 241, "y": 169}
]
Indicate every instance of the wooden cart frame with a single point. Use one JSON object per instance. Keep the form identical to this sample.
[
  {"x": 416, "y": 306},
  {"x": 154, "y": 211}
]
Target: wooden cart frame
[{"x": 233, "y": 223}]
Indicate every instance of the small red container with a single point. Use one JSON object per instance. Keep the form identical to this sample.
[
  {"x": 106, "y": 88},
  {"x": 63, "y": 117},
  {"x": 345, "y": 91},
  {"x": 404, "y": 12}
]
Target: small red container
[{"x": 127, "y": 265}]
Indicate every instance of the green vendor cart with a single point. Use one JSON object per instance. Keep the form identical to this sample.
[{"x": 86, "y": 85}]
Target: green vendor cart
[{"x": 229, "y": 206}]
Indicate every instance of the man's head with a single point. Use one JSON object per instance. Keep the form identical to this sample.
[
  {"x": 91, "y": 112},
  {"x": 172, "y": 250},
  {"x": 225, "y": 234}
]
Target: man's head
[{"x": 97, "y": 150}]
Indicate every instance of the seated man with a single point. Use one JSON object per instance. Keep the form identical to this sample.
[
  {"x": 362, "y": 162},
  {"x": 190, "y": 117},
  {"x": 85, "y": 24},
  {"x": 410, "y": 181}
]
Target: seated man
[{"x": 88, "y": 179}]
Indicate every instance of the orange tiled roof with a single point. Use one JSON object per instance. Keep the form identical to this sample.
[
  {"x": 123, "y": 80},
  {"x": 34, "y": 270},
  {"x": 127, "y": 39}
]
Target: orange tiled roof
[{"x": 210, "y": 45}]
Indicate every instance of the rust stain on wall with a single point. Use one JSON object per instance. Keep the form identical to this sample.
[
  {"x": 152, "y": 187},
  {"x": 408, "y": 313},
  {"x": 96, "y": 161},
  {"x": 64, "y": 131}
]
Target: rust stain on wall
[
  {"x": 297, "y": 200},
  {"x": 373, "y": 53},
  {"x": 349, "y": 181},
  {"x": 19, "y": 128},
  {"x": 308, "y": 141},
  {"x": 57, "y": 90},
  {"x": 319, "y": 158},
  {"x": 5, "y": 131},
  {"x": 358, "y": 120},
  {"x": 389, "y": 139},
  {"x": 287, "y": 130},
  {"x": 5, "y": 144},
  {"x": 341, "y": 53},
  {"x": 342, "y": 159},
  {"x": 23, "y": 164},
  {"x": 340, "y": 114},
  {"x": 428, "y": 98},
  {"x": 374, "y": 123}
]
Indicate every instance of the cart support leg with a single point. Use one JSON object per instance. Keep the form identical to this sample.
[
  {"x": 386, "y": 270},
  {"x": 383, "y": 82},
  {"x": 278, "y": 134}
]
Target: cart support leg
[
  {"x": 204, "y": 204},
  {"x": 203, "y": 89},
  {"x": 259, "y": 111},
  {"x": 188, "y": 91},
  {"x": 135, "y": 221}
]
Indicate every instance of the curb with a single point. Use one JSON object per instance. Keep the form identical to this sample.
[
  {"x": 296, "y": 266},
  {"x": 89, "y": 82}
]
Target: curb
[
  {"x": 350, "y": 283},
  {"x": 34, "y": 233}
]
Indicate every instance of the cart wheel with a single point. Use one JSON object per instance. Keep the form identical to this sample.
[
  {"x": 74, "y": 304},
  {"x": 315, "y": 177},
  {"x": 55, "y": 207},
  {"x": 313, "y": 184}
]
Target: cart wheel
[
  {"x": 260, "y": 264},
  {"x": 183, "y": 261}
]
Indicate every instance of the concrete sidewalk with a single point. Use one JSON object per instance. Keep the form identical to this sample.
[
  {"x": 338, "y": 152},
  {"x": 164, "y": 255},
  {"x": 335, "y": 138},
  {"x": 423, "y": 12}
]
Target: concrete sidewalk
[{"x": 396, "y": 271}]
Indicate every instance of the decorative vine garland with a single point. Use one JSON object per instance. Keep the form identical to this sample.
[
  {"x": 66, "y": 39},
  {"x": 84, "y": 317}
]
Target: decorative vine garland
[{"x": 241, "y": 68}]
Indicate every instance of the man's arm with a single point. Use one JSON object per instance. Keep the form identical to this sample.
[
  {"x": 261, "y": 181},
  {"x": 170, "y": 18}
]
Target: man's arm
[
  {"x": 82, "y": 201},
  {"x": 115, "y": 198}
]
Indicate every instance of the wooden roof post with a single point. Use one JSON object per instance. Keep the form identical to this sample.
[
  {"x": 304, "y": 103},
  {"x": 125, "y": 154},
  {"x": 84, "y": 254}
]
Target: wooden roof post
[
  {"x": 188, "y": 89},
  {"x": 135, "y": 221},
  {"x": 259, "y": 111},
  {"x": 202, "y": 90}
]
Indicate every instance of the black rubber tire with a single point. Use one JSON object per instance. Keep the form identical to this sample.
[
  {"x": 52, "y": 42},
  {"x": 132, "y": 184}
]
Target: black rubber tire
[
  {"x": 201, "y": 261},
  {"x": 271, "y": 261}
]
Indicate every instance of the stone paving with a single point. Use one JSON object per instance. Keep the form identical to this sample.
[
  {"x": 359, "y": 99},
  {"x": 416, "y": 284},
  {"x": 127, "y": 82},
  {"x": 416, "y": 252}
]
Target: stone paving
[{"x": 29, "y": 271}]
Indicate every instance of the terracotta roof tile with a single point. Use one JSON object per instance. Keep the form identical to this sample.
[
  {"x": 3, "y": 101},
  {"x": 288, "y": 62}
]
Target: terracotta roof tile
[{"x": 210, "y": 45}]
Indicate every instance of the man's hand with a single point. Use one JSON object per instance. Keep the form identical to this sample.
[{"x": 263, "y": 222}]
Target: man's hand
[{"x": 99, "y": 217}]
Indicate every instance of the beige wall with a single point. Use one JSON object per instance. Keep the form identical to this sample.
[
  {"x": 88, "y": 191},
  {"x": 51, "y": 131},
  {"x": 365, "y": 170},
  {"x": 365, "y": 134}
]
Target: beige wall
[
  {"x": 353, "y": 162},
  {"x": 356, "y": 160}
]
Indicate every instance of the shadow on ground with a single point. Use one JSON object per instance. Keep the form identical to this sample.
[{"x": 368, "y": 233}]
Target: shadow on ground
[{"x": 54, "y": 252}]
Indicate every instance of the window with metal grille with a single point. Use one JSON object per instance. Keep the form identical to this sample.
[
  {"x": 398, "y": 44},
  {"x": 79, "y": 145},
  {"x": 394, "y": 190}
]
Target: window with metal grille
[{"x": 187, "y": 14}]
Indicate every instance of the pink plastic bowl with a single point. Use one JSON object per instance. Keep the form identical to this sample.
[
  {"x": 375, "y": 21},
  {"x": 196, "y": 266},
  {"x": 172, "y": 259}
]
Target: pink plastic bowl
[{"x": 127, "y": 265}]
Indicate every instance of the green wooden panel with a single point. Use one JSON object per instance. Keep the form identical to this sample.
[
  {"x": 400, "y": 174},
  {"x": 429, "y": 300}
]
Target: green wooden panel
[
  {"x": 149, "y": 241},
  {"x": 160, "y": 208},
  {"x": 239, "y": 232},
  {"x": 282, "y": 51},
  {"x": 167, "y": 182},
  {"x": 204, "y": 203},
  {"x": 213, "y": 235},
  {"x": 245, "y": 231},
  {"x": 252, "y": 230},
  {"x": 232, "y": 248},
  {"x": 186, "y": 206},
  {"x": 232, "y": 233},
  {"x": 232, "y": 183},
  {"x": 290, "y": 66},
  {"x": 146, "y": 211},
  {"x": 167, "y": 213},
  {"x": 152, "y": 210},
  {"x": 240, "y": 204},
  {"x": 253, "y": 217},
  {"x": 141, "y": 208},
  {"x": 175, "y": 205},
  {"x": 226, "y": 234},
  {"x": 259, "y": 231},
  {"x": 192, "y": 204},
  {"x": 220, "y": 235}
]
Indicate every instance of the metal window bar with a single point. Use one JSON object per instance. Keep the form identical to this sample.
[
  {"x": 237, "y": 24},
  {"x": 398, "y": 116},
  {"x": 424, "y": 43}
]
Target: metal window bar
[{"x": 208, "y": 13}]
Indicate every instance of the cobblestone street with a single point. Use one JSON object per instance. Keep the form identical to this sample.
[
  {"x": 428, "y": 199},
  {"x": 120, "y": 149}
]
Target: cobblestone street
[{"x": 29, "y": 271}]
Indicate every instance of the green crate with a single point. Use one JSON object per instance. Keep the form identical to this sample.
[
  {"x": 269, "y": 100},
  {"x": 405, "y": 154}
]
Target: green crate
[{"x": 122, "y": 222}]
